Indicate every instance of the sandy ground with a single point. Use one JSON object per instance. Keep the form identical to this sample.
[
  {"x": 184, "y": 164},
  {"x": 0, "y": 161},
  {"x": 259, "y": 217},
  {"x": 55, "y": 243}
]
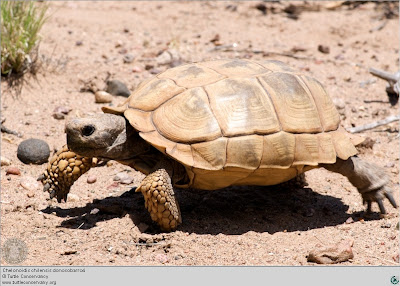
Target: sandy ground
[{"x": 236, "y": 226}]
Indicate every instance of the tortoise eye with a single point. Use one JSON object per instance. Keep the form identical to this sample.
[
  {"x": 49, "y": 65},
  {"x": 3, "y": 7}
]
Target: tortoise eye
[{"x": 88, "y": 130}]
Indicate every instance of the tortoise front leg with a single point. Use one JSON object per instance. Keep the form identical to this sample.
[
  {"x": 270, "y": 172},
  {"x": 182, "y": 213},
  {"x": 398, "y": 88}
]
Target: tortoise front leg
[
  {"x": 160, "y": 199},
  {"x": 63, "y": 169},
  {"x": 370, "y": 180}
]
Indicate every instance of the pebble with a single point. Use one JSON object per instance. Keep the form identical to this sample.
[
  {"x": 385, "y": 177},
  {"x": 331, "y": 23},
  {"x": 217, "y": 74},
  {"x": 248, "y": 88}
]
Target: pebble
[
  {"x": 33, "y": 151},
  {"x": 72, "y": 198},
  {"x": 136, "y": 69},
  {"x": 94, "y": 211},
  {"x": 368, "y": 143},
  {"x": 349, "y": 220},
  {"x": 30, "y": 194},
  {"x": 5, "y": 161},
  {"x": 164, "y": 58},
  {"x": 389, "y": 165},
  {"x": 29, "y": 183},
  {"x": 91, "y": 179},
  {"x": 155, "y": 71},
  {"x": 123, "y": 178},
  {"x": 262, "y": 7},
  {"x": 176, "y": 63},
  {"x": 13, "y": 171},
  {"x": 128, "y": 58},
  {"x": 116, "y": 87},
  {"x": 102, "y": 97},
  {"x": 62, "y": 109},
  {"x": 148, "y": 67},
  {"x": 58, "y": 115},
  {"x": 332, "y": 254},
  {"x": 340, "y": 105},
  {"x": 143, "y": 227},
  {"x": 386, "y": 225},
  {"x": 162, "y": 258},
  {"x": 323, "y": 49},
  {"x": 177, "y": 257}
]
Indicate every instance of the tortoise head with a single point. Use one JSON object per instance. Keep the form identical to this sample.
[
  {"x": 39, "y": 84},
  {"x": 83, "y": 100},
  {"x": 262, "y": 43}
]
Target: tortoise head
[{"x": 101, "y": 135}]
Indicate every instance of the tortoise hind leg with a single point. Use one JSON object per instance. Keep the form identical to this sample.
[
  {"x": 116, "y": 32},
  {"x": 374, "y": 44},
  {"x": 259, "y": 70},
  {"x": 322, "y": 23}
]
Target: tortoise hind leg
[
  {"x": 160, "y": 200},
  {"x": 369, "y": 179}
]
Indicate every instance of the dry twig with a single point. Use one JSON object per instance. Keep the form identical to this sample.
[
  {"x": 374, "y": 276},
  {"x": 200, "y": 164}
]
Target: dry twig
[{"x": 375, "y": 124}]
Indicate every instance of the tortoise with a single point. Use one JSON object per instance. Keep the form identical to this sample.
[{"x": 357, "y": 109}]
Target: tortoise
[{"x": 214, "y": 124}]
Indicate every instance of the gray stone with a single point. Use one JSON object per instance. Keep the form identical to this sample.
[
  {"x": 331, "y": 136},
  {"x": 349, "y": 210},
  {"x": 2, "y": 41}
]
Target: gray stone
[
  {"x": 33, "y": 151},
  {"x": 115, "y": 87}
]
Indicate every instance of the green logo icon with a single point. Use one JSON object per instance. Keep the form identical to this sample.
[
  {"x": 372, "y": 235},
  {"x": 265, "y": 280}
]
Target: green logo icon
[{"x": 394, "y": 280}]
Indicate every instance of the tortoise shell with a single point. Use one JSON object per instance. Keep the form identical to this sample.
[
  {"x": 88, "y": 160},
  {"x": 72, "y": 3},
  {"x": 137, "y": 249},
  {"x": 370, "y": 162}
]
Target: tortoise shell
[{"x": 238, "y": 122}]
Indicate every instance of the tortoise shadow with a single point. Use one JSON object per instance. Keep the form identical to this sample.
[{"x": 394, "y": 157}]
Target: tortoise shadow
[{"x": 231, "y": 211}]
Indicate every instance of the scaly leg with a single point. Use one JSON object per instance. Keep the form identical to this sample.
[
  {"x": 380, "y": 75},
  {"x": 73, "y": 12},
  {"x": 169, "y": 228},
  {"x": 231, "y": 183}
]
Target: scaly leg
[
  {"x": 160, "y": 199},
  {"x": 63, "y": 169}
]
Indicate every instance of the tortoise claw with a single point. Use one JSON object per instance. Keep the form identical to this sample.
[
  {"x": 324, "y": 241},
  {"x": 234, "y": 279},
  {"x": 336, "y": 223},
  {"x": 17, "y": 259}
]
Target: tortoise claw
[
  {"x": 378, "y": 196},
  {"x": 41, "y": 177},
  {"x": 389, "y": 196},
  {"x": 381, "y": 207},
  {"x": 46, "y": 187}
]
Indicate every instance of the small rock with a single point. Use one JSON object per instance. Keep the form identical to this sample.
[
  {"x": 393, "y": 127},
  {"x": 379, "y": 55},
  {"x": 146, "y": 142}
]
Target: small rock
[
  {"x": 118, "y": 44},
  {"x": 386, "y": 225},
  {"x": 113, "y": 185},
  {"x": 389, "y": 165},
  {"x": 29, "y": 183},
  {"x": 143, "y": 227},
  {"x": 164, "y": 58},
  {"x": 78, "y": 43},
  {"x": 179, "y": 256},
  {"x": 349, "y": 220},
  {"x": 323, "y": 49},
  {"x": 62, "y": 109},
  {"x": 232, "y": 8},
  {"x": 367, "y": 143},
  {"x": 115, "y": 87},
  {"x": 33, "y": 151},
  {"x": 91, "y": 179},
  {"x": 72, "y": 198},
  {"x": 339, "y": 104},
  {"x": 123, "y": 178},
  {"x": 395, "y": 257},
  {"x": 136, "y": 69},
  {"x": 94, "y": 211},
  {"x": 58, "y": 115},
  {"x": 13, "y": 171},
  {"x": 148, "y": 67},
  {"x": 216, "y": 40},
  {"x": 102, "y": 97},
  {"x": 128, "y": 58},
  {"x": 30, "y": 194},
  {"x": 262, "y": 7},
  {"x": 162, "y": 258},
  {"x": 155, "y": 71},
  {"x": 332, "y": 254},
  {"x": 397, "y": 226},
  {"x": 123, "y": 51},
  {"x": 5, "y": 161}
]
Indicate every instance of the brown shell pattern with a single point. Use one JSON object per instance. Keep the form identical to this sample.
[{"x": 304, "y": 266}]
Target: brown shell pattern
[{"x": 240, "y": 120}]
